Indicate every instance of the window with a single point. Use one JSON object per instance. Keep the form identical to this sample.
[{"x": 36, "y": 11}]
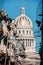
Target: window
[
  {"x": 23, "y": 17},
  {"x": 27, "y": 31},
  {"x": 29, "y": 21},
  {"x": 26, "y": 18},
  {"x": 16, "y": 32},
  {"x": 23, "y": 31},
  {"x": 19, "y": 31},
  {"x": 30, "y": 32},
  {"x": 30, "y": 42}
]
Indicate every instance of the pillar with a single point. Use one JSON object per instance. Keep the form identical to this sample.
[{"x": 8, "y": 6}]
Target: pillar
[
  {"x": 26, "y": 42},
  {"x": 29, "y": 42},
  {"x": 32, "y": 43}
]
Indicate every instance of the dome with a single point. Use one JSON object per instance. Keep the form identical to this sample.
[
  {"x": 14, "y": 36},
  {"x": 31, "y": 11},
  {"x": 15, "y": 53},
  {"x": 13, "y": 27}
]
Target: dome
[{"x": 23, "y": 21}]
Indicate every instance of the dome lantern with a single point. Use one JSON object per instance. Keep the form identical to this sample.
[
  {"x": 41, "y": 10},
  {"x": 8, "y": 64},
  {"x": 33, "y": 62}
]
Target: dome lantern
[{"x": 22, "y": 10}]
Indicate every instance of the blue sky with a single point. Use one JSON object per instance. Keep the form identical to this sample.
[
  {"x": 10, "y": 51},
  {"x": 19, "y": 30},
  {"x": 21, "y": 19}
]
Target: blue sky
[{"x": 12, "y": 8}]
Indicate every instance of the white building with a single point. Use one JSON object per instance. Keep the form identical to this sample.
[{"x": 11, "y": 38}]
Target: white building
[
  {"x": 24, "y": 35},
  {"x": 24, "y": 31}
]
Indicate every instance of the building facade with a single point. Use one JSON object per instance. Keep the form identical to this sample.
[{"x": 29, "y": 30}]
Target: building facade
[
  {"x": 23, "y": 28},
  {"x": 24, "y": 35},
  {"x": 24, "y": 31}
]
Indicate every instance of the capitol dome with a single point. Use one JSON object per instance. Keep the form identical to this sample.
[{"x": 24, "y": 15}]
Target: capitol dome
[
  {"x": 23, "y": 21},
  {"x": 24, "y": 31}
]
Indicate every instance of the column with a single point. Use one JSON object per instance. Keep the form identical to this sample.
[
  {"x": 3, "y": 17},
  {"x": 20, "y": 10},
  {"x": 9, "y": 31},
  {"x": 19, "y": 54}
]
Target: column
[
  {"x": 30, "y": 42},
  {"x": 34, "y": 43},
  {"x": 23, "y": 42},
  {"x": 26, "y": 42}
]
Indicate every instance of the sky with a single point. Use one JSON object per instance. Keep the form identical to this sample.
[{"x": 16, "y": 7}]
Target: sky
[{"x": 32, "y": 9}]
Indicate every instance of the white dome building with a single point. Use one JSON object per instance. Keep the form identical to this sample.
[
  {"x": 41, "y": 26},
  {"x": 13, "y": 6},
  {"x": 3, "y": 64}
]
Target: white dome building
[
  {"x": 24, "y": 35},
  {"x": 24, "y": 31}
]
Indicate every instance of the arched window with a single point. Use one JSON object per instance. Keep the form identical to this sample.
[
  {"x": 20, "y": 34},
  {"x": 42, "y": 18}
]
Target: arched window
[
  {"x": 23, "y": 17},
  {"x": 30, "y": 32},
  {"x": 19, "y": 31},
  {"x": 27, "y": 31},
  {"x": 26, "y": 18},
  {"x": 23, "y": 31},
  {"x": 29, "y": 21}
]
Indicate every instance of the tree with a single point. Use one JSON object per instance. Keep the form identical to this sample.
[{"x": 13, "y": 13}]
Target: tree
[{"x": 41, "y": 28}]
